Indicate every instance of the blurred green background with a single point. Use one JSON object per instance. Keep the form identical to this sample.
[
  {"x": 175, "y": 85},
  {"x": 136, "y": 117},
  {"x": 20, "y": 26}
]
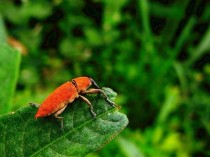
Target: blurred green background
[{"x": 153, "y": 53}]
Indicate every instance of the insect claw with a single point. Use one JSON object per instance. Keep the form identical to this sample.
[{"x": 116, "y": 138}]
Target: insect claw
[
  {"x": 62, "y": 124},
  {"x": 61, "y": 120},
  {"x": 112, "y": 103},
  {"x": 93, "y": 113},
  {"x": 94, "y": 116},
  {"x": 34, "y": 105}
]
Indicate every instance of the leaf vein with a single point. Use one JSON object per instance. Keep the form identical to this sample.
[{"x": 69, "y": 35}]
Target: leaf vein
[{"x": 73, "y": 130}]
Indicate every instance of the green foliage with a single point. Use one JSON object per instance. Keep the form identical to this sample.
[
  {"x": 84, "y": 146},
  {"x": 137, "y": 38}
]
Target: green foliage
[
  {"x": 9, "y": 65},
  {"x": 155, "y": 54},
  {"x": 22, "y": 135},
  {"x": 3, "y": 36}
]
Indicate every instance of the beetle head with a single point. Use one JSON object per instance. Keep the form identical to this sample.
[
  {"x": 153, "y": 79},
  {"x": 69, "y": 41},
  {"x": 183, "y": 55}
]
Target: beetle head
[{"x": 82, "y": 83}]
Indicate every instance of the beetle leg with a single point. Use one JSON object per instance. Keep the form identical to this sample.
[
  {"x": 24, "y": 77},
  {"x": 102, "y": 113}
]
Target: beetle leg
[
  {"x": 89, "y": 104},
  {"x": 89, "y": 91},
  {"x": 61, "y": 119},
  {"x": 34, "y": 104},
  {"x": 57, "y": 113}
]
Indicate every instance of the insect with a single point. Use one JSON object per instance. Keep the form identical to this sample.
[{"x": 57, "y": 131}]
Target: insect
[{"x": 65, "y": 94}]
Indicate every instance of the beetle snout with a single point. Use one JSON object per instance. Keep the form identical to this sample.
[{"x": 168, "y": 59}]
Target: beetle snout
[{"x": 94, "y": 83}]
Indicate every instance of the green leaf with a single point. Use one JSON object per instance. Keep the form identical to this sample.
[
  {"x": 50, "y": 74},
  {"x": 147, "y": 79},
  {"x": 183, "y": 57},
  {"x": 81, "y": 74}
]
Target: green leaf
[
  {"x": 172, "y": 100},
  {"x": 3, "y": 34},
  {"x": 9, "y": 65},
  {"x": 202, "y": 48},
  {"x": 129, "y": 148},
  {"x": 22, "y": 135}
]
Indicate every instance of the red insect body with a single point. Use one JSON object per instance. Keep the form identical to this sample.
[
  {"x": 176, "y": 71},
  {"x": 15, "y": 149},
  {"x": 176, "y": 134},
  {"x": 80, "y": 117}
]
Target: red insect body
[
  {"x": 57, "y": 101},
  {"x": 63, "y": 95}
]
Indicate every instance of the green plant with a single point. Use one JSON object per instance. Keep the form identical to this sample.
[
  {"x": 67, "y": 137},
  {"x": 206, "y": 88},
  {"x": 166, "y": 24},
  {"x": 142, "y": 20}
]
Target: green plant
[
  {"x": 154, "y": 53},
  {"x": 9, "y": 65},
  {"x": 22, "y": 135}
]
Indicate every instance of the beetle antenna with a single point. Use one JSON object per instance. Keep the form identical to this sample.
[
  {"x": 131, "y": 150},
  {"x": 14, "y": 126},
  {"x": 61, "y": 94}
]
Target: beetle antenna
[{"x": 94, "y": 83}]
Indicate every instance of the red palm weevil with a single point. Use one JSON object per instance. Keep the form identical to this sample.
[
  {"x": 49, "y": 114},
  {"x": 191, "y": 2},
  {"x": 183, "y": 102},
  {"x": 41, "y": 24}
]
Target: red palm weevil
[{"x": 65, "y": 94}]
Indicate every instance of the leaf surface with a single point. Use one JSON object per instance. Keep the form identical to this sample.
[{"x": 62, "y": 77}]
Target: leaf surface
[
  {"x": 9, "y": 69},
  {"x": 23, "y": 136}
]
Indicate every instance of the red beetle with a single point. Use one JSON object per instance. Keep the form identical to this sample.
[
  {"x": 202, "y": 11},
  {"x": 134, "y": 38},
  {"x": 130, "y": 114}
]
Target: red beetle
[{"x": 58, "y": 100}]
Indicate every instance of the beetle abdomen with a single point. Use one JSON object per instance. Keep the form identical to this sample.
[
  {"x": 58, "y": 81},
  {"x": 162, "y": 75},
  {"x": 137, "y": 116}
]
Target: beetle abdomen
[{"x": 57, "y": 99}]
